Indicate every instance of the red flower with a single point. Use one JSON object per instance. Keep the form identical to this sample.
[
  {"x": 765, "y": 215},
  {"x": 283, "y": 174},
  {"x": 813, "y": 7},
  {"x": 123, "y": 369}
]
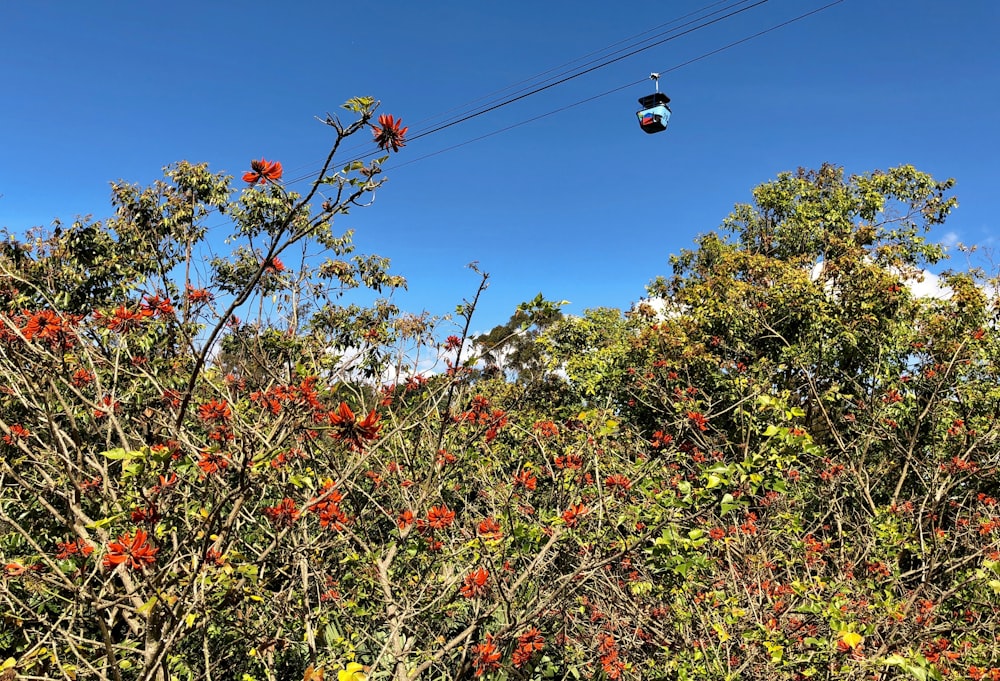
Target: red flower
[
  {"x": 622, "y": 483},
  {"x": 42, "y": 325},
  {"x": 526, "y": 480},
  {"x": 283, "y": 514},
  {"x": 211, "y": 463},
  {"x": 453, "y": 343},
  {"x": 490, "y": 530},
  {"x": 82, "y": 377},
  {"x": 546, "y": 428},
  {"x": 405, "y": 519},
  {"x": 349, "y": 429},
  {"x": 72, "y": 548},
  {"x": 440, "y": 517},
  {"x": 573, "y": 513},
  {"x": 261, "y": 171},
  {"x": 133, "y": 551},
  {"x": 17, "y": 432},
  {"x": 198, "y": 295},
  {"x": 215, "y": 411},
  {"x": 487, "y": 656},
  {"x": 391, "y": 134},
  {"x": 274, "y": 266},
  {"x": 123, "y": 320},
  {"x": 527, "y": 643},
  {"x": 698, "y": 420},
  {"x": 475, "y": 584},
  {"x": 157, "y": 305}
]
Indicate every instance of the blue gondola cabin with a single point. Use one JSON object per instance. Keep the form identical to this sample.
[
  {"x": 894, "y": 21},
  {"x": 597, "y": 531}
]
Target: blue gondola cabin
[{"x": 655, "y": 114}]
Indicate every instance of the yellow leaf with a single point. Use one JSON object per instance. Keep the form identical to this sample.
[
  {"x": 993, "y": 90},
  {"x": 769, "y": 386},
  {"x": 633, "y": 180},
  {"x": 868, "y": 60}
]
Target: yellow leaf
[{"x": 851, "y": 638}]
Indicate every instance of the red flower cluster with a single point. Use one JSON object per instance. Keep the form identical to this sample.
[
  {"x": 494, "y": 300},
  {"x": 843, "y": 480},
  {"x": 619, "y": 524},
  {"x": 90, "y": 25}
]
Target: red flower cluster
[
  {"x": 283, "y": 514},
  {"x": 528, "y": 643},
  {"x": 348, "y": 428},
  {"x": 572, "y": 514},
  {"x": 475, "y": 584},
  {"x": 389, "y": 133},
  {"x": 487, "y": 656},
  {"x": 261, "y": 171},
  {"x": 440, "y": 517},
  {"x": 327, "y": 505},
  {"x": 526, "y": 479},
  {"x": 74, "y": 548},
  {"x": 17, "y": 432},
  {"x": 215, "y": 410},
  {"x": 131, "y": 550},
  {"x": 489, "y": 529}
]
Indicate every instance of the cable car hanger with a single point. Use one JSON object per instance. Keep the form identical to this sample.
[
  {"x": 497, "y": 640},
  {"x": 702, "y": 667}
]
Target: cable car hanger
[{"x": 654, "y": 114}]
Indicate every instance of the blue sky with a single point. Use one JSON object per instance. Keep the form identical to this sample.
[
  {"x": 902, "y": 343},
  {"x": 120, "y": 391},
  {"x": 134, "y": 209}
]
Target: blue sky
[{"x": 580, "y": 205}]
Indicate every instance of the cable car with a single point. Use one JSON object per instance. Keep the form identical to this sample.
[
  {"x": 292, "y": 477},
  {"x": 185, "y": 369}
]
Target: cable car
[{"x": 654, "y": 114}]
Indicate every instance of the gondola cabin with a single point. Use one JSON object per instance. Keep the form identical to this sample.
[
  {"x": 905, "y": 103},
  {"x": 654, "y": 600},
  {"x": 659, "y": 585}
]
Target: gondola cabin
[{"x": 655, "y": 114}]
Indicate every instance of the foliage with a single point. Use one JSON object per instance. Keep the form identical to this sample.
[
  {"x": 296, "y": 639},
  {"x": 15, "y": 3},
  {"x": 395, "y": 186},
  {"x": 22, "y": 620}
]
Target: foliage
[{"x": 790, "y": 471}]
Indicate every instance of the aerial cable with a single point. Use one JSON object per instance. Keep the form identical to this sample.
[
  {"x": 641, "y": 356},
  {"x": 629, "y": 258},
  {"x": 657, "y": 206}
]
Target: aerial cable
[
  {"x": 576, "y": 103},
  {"x": 560, "y": 81},
  {"x": 566, "y": 75},
  {"x": 593, "y": 57},
  {"x": 584, "y": 72}
]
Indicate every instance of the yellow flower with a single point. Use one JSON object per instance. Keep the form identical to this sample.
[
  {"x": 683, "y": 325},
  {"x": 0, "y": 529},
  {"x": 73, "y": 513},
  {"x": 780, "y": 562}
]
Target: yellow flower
[{"x": 354, "y": 672}]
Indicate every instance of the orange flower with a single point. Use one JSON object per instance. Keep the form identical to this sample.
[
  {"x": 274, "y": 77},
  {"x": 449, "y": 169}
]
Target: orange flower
[
  {"x": 527, "y": 644},
  {"x": 572, "y": 514},
  {"x": 349, "y": 429},
  {"x": 261, "y": 171},
  {"x": 283, "y": 514},
  {"x": 133, "y": 551},
  {"x": 44, "y": 324},
  {"x": 391, "y": 134},
  {"x": 487, "y": 656},
  {"x": 474, "y": 584},
  {"x": 489, "y": 529},
  {"x": 215, "y": 411},
  {"x": 440, "y": 517},
  {"x": 526, "y": 480},
  {"x": 405, "y": 519},
  {"x": 274, "y": 266}
]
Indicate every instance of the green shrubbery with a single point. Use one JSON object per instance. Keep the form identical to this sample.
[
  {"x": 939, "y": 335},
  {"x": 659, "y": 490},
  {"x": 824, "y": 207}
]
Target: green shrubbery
[{"x": 786, "y": 472}]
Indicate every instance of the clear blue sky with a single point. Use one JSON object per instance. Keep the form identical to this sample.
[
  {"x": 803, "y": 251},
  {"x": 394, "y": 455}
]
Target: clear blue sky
[{"x": 580, "y": 205}]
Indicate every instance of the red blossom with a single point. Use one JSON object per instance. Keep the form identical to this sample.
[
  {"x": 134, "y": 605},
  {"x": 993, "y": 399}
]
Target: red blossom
[
  {"x": 698, "y": 420},
  {"x": 273, "y": 266},
  {"x": 17, "y": 432},
  {"x": 487, "y": 656},
  {"x": 389, "y": 133},
  {"x": 526, "y": 479},
  {"x": 211, "y": 463},
  {"x": 571, "y": 515},
  {"x": 348, "y": 428},
  {"x": 261, "y": 171},
  {"x": 131, "y": 550},
  {"x": 283, "y": 514},
  {"x": 74, "y": 548},
  {"x": 215, "y": 410},
  {"x": 440, "y": 517},
  {"x": 527, "y": 644},
  {"x": 198, "y": 295},
  {"x": 405, "y": 519},
  {"x": 489, "y": 529},
  {"x": 82, "y": 377},
  {"x": 475, "y": 584}
]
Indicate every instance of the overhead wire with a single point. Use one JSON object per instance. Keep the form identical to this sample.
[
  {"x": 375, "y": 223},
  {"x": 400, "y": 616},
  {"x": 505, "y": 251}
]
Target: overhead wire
[
  {"x": 573, "y": 75},
  {"x": 579, "y": 102}
]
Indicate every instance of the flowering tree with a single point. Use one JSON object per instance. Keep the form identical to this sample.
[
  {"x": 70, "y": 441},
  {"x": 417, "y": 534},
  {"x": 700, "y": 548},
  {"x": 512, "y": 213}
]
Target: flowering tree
[{"x": 784, "y": 476}]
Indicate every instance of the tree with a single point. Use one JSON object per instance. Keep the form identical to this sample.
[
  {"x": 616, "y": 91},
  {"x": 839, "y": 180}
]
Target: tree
[{"x": 791, "y": 472}]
